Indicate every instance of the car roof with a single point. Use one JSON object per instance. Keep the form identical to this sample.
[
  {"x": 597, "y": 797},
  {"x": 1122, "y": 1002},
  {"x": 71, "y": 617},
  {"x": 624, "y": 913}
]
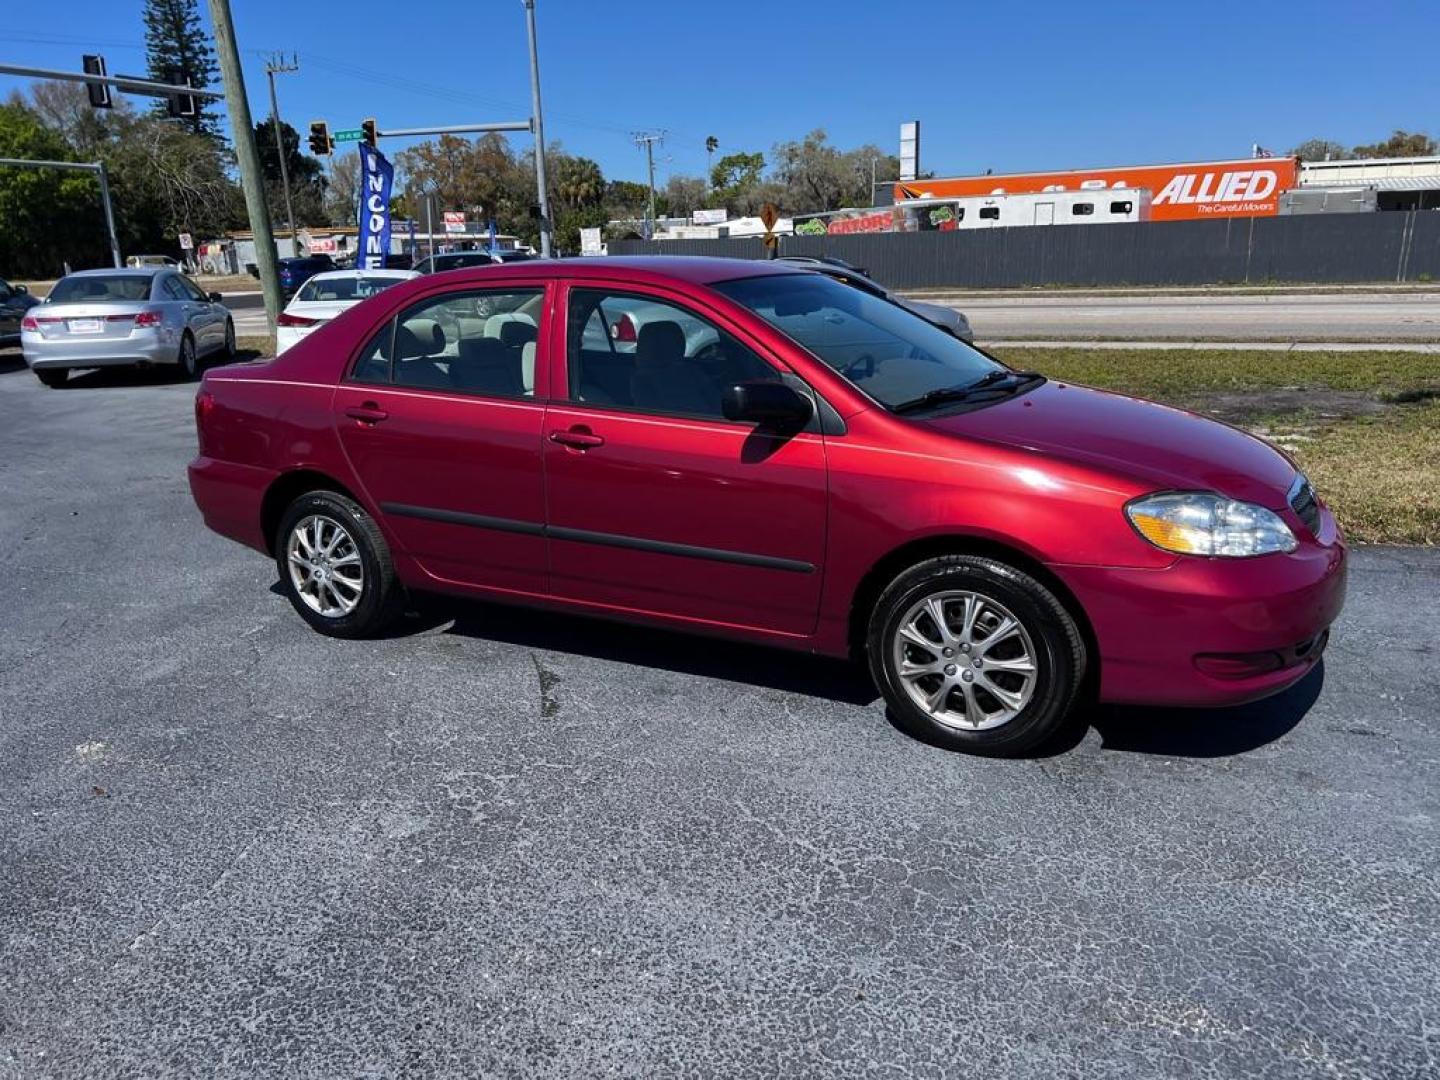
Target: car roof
[
  {"x": 694, "y": 269},
  {"x": 331, "y": 275},
  {"x": 123, "y": 271}
]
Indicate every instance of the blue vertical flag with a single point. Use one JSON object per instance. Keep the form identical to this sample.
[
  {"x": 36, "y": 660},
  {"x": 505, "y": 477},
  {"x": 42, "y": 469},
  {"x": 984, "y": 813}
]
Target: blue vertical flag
[{"x": 377, "y": 176}]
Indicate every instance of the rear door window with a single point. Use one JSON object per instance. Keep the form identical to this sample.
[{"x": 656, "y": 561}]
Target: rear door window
[{"x": 478, "y": 341}]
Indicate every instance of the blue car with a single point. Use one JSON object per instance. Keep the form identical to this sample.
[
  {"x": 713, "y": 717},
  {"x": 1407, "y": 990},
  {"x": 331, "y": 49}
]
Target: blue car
[{"x": 294, "y": 272}]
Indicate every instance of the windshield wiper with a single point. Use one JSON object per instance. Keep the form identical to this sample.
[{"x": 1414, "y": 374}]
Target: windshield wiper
[{"x": 989, "y": 381}]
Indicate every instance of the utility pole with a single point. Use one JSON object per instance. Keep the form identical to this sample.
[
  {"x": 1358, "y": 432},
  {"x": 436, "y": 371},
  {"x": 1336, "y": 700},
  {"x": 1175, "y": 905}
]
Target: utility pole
[
  {"x": 539, "y": 131},
  {"x": 711, "y": 145},
  {"x": 243, "y": 132},
  {"x": 648, "y": 139},
  {"x": 276, "y": 65}
]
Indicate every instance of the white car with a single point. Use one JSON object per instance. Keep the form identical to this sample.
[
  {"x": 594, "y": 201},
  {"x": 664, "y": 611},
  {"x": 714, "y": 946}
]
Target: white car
[{"x": 328, "y": 294}]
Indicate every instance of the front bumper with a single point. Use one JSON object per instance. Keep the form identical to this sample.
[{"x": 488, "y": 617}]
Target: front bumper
[
  {"x": 1160, "y": 632},
  {"x": 145, "y": 346}
]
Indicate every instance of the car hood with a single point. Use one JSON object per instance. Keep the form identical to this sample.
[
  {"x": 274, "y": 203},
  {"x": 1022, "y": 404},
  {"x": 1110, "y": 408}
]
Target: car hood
[{"x": 1155, "y": 445}]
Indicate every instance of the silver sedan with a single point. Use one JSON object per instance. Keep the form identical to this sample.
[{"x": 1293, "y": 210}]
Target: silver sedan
[{"x": 136, "y": 317}]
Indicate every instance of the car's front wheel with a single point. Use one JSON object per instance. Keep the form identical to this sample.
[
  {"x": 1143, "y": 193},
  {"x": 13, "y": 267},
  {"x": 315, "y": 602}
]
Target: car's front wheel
[
  {"x": 336, "y": 567},
  {"x": 976, "y": 655}
]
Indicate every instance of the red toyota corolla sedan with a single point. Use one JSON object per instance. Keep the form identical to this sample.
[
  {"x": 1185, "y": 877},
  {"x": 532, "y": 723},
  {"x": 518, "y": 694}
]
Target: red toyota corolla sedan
[{"x": 759, "y": 451}]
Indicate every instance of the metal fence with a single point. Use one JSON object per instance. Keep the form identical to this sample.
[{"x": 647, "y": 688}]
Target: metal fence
[{"x": 1376, "y": 247}]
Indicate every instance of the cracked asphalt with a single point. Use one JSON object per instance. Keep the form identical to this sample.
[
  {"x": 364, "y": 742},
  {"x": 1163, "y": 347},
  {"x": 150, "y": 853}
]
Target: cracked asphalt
[{"x": 507, "y": 844}]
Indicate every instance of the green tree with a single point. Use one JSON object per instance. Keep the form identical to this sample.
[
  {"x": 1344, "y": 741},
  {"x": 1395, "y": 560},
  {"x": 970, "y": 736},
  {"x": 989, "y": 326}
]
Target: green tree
[
  {"x": 175, "y": 39},
  {"x": 307, "y": 175},
  {"x": 1400, "y": 144},
  {"x": 819, "y": 176},
  {"x": 736, "y": 172},
  {"x": 1321, "y": 150},
  {"x": 51, "y": 216},
  {"x": 575, "y": 182},
  {"x": 683, "y": 195}
]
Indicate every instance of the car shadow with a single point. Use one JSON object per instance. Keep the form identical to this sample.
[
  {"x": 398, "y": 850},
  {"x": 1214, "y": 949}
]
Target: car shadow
[
  {"x": 1193, "y": 733},
  {"x": 1169, "y": 732},
  {"x": 669, "y": 650},
  {"x": 156, "y": 375}
]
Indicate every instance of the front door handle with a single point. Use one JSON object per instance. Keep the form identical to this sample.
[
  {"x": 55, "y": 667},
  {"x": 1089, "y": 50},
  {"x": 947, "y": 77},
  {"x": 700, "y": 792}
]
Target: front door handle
[
  {"x": 577, "y": 438},
  {"x": 368, "y": 413}
]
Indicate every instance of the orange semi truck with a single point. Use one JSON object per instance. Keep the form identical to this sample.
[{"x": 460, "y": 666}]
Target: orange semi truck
[{"x": 1245, "y": 187}]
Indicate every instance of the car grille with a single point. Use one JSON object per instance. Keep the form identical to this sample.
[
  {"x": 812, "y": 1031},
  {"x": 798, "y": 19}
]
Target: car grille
[{"x": 1302, "y": 501}]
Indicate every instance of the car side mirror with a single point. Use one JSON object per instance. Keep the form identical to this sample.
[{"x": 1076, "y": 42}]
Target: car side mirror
[
  {"x": 215, "y": 298},
  {"x": 769, "y": 404},
  {"x": 20, "y": 290}
]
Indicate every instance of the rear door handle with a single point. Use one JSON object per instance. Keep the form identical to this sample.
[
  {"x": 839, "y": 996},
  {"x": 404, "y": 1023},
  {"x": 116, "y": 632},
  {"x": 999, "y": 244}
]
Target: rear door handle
[
  {"x": 579, "y": 440},
  {"x": 369, "y": 413}
]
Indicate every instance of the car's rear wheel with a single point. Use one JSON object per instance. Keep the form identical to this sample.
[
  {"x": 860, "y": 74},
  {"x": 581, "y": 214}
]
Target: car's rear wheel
[
  {"x": 976, "y": 655},
  {"x": 229, "y": 340},
  {"x": 52, "y": 377},
  {"x": 336, "y": 567},
  {"x": 189, "y": 364}
]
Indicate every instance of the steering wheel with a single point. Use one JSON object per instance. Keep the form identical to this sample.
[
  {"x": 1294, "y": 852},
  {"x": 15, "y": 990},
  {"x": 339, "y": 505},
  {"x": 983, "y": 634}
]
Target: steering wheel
[{"x": 866, "y": 361}]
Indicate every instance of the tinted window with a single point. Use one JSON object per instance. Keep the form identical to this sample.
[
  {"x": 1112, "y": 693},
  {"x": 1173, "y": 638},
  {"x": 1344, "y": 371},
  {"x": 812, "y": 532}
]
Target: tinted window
[
  {"x": 891, "y": 354},
  {"x": 1121, "y": 207},
  {"x": 639, "y": 352},
  {"x": 992, "y": 212},
  {"x": 109, "y": 289},
  {"x": 478, "y": 342},
  {"x": 324, "y": 290},
  {"x": 194, "y": 291},
  {"x": 1082, "y": 209},
  {"x": 171, "y": 289}
]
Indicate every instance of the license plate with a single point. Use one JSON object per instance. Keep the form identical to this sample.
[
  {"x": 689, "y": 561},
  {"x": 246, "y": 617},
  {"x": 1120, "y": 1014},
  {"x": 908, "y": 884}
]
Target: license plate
[{"x": 85, "y": 326}]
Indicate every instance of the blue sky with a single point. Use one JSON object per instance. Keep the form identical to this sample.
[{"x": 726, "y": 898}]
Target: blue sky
[{"x": 995, "y": 85}]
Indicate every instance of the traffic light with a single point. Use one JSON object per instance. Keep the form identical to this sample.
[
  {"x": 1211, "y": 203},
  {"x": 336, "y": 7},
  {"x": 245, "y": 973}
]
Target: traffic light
[
  {"x": 98, "y": 92},
  {"x": 368, "y": 132},
  {"x": 179, "y": 106},
  {"x": 320, "y": 140}
]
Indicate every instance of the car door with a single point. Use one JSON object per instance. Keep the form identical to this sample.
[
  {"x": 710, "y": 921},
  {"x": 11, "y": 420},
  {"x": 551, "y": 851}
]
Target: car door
[
  {"x": 171, "y": 290},
  {"x": 441, "y": 421},
  {"x": 655, "y": 502},
  {"x": 208, "y": 318}
]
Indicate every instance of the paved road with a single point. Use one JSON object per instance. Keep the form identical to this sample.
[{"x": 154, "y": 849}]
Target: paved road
[
  {"x": 1398, "y": 316},
  {"x": 513, "y": 845}
]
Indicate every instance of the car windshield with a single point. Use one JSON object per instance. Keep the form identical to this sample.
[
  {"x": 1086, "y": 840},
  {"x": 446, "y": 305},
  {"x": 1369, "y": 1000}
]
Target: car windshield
[
  {"x": 109, "y": 289},
  {"x": 330, "y": 290},
  {"x": 894, "y": 356}
]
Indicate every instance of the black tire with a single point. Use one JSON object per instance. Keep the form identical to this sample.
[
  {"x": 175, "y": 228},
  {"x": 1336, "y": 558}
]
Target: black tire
[
  {"x": 1058, "y": 660},
  {"x": 381, "y": 597},
  {"x": 228, "y": 354},
  {"x": 52, "y": 377},
  {"x": 188, "y": 366}
]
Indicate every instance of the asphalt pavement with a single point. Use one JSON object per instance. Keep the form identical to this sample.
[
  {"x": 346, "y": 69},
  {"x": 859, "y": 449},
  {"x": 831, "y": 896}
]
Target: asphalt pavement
[{"x": 507, "y": 844}]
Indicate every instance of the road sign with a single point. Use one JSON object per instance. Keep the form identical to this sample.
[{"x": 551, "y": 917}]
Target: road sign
[
  {"x": 348, "y": 135},
  {"x": 187, "y": 242},
  {"x": 454, "y": 221},
  {"x": 769, "y": 215}
]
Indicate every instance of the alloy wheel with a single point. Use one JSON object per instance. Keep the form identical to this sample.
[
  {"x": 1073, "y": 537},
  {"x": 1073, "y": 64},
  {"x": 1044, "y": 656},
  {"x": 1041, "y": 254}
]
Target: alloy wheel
[
  {"x": 965, "y": 659},
  {"x": 325, "y": 566}
]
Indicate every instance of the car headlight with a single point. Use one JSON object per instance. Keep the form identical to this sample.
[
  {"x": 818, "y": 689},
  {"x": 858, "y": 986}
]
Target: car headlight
[{"x": 1202, "y": 523}]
